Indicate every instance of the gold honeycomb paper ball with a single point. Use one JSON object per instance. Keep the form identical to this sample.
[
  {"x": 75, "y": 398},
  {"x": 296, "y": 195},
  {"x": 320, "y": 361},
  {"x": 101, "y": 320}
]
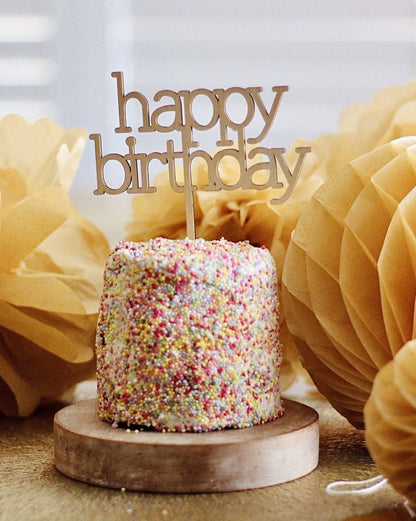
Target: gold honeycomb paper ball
[
  {"x": 340, "y": 280},
  {"x": 390, "y": 420}
]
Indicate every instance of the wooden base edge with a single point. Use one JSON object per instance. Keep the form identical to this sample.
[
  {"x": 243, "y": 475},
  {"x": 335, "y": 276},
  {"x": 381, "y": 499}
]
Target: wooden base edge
[{"x": 90, "y": 450}]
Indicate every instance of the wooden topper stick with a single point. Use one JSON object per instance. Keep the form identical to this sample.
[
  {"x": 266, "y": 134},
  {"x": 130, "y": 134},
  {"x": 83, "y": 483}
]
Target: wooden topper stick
[
  {"x": 188, "y": 187},
  {"x": 189, "y": 208}
]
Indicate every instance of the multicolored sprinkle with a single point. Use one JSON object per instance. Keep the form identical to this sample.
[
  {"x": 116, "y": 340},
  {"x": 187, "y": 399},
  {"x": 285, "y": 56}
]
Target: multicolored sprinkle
[{"x": 187, "y": 336}]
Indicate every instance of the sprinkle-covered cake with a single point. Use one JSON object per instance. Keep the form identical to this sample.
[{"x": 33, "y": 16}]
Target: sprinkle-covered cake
[{"x": 187, "y": 336}]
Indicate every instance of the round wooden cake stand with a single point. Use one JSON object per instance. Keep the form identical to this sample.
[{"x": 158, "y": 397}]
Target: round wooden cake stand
[{"x": 90, "y": 450}]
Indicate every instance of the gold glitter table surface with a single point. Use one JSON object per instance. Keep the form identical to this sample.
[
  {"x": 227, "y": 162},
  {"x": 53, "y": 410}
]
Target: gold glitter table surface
[{"x": 31, "y": 488}]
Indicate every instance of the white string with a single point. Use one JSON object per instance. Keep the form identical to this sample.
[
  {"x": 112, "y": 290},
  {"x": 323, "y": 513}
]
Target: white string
[
  {"x": 368, "y": 486},
  {"x": 410, "y": 509}
]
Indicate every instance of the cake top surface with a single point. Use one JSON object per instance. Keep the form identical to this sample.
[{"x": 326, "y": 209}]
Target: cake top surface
[{"x": 212, "y": 262}]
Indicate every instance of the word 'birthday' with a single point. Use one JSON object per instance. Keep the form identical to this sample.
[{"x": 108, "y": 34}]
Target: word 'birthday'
[{"x": 179, "y": 109}]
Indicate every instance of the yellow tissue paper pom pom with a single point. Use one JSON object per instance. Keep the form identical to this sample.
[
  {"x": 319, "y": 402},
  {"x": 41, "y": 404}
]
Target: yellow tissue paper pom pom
[{"x": 51, "y": 266}]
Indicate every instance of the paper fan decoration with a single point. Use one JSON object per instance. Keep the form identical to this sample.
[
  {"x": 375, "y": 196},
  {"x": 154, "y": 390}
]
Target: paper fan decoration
[
  {"x": 390, "y": 413},
  {"x": 51, "y": 266},
  {"x": 390, "y": 419},
  {"x": 336, "y": 285}
]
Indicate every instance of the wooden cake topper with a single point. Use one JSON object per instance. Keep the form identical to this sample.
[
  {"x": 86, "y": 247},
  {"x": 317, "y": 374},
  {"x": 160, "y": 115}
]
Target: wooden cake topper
[{"x": 180, "y": 108}]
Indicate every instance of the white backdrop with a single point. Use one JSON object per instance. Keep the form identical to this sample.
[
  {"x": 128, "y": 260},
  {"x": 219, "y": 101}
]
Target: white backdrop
[{"x": 57, "y": 57}]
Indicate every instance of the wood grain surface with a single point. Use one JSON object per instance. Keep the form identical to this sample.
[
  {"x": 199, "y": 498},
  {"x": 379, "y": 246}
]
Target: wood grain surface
[{"x": 92, "y": 451}]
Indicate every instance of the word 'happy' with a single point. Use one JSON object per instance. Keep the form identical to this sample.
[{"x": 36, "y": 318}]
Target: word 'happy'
[{"x": 180, "y": 110}]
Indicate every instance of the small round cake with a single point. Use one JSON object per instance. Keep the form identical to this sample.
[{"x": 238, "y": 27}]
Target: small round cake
[{"x": 188, "y": 336}]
